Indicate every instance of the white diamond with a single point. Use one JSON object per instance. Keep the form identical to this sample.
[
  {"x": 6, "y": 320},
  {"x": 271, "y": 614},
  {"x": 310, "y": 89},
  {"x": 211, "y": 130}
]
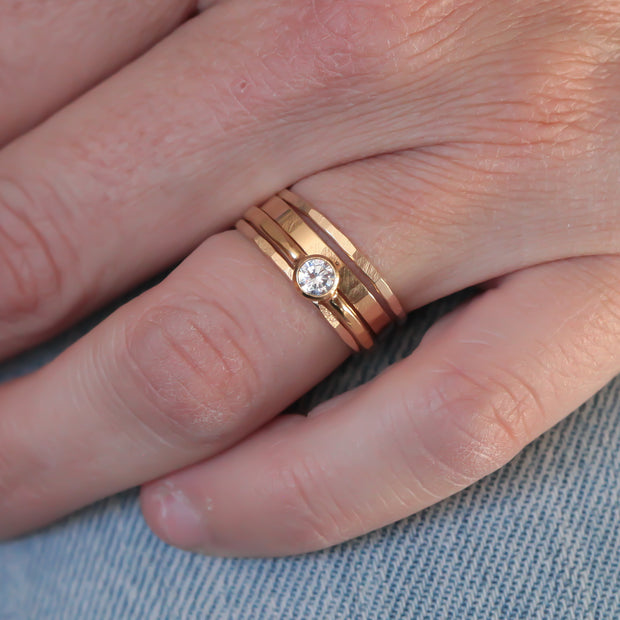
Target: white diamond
[{"x": 316, "y": 277}]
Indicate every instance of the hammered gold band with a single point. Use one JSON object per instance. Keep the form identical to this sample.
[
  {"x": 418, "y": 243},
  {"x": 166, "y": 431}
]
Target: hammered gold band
[{"x": 325, "y": 267}]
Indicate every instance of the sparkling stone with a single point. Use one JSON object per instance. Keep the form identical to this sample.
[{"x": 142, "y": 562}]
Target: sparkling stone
[{"x": 316, "y": 277}]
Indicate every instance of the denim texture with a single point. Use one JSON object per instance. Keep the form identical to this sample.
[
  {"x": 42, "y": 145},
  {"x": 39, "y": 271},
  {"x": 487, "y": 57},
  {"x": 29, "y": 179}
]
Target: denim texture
[{"x": 537, "y": 539}]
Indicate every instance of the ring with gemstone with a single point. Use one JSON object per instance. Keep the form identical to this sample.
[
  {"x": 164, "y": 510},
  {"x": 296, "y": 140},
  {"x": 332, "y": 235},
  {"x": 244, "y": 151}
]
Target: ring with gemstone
[{"x": 325, "y": 267}]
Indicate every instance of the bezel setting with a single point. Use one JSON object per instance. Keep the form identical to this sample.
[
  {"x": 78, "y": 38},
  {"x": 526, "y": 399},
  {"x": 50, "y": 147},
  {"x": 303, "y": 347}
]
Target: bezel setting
[{"x": 316, "y": 277}]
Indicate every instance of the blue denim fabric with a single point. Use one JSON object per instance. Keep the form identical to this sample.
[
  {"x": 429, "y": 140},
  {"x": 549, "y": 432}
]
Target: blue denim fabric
[{"x": 537, "y": 539}]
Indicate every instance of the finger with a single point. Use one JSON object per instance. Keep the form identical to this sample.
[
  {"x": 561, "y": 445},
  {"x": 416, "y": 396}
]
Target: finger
[
  {"x": 51, "y": 52},
  {"x": 181, "y": 372},
  {"x": 175, "y": 146},
  {"x": 482, "y": 384}
]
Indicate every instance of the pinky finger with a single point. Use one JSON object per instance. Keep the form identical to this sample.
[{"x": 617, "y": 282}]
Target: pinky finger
[{"x": 483, "y": 383}]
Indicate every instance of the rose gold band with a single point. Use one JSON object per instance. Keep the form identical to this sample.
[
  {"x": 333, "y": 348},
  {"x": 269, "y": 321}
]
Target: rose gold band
[
  {"x": 339, "y": 316},
  {"x": 348, "y": 248},
  {"x": 290, "y": 236}
]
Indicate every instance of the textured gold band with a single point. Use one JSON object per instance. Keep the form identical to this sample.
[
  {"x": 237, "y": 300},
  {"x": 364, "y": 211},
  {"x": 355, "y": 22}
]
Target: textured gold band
[
  {"x": 287, "y": 229},
  {"x": 348, "y": 248}
]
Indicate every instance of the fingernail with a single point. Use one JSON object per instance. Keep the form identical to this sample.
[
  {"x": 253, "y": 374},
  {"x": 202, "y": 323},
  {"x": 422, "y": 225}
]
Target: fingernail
[{"x": 182, "y": 523}]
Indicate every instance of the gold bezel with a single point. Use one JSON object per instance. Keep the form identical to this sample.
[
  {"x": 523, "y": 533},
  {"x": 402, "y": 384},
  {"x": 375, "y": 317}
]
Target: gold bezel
[{"x": 332, "y": 291}]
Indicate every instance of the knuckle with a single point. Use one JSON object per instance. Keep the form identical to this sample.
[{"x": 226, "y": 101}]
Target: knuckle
[
  {"x": 485, "y": 420},
  {"x": 31, "y": 277},
  {"x": 337, "y": 43},
  {"x": 346, "y": 34},
  {"x": 565, "y": 75},
  {"x": 191, "y": 360},
  {"x": 313, "y": 519}
]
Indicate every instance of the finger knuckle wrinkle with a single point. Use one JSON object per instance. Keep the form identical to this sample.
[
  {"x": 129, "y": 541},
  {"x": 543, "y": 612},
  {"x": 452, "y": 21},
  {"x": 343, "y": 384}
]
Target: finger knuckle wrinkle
[
  {"x": 562, "y": 106},
  {"x": 491, "y": 416},
  {"x": 30, "y": 274},
  {"x": 192, "y": 362},
  {"x": 341, "y": 40},
  {"x": 565, "y": 76}
]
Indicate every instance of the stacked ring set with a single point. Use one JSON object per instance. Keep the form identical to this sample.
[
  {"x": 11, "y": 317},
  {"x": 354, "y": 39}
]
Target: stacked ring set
[{"x": 324, "y": 266}]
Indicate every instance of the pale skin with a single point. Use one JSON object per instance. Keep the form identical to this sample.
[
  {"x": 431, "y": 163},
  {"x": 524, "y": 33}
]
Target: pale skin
[{"x": 456, "y": 142}]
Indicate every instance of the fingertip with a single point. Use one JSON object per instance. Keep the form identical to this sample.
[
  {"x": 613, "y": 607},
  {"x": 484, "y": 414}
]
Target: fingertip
[
  {"x": 173, "y": 516},
  {"x": 233, "y": 505}
]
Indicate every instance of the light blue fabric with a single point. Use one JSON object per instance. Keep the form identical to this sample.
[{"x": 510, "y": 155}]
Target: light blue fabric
[{"x": 538, "y": 539}]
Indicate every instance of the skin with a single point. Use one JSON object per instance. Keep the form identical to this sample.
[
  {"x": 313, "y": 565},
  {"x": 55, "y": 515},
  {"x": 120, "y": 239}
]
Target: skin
[{"x": 457, "y": 143}]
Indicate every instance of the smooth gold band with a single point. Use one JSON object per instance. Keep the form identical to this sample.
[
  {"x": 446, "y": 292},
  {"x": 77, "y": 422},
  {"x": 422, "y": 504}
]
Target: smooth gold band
[{"x": 357, "y": 310}]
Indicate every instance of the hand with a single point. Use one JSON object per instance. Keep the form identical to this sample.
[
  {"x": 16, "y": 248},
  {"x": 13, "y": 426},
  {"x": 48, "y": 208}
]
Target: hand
[{"x": 456, "y": 143}]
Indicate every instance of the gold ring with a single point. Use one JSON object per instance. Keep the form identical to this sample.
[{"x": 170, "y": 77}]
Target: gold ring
[{"x": 325, "y": 267}]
